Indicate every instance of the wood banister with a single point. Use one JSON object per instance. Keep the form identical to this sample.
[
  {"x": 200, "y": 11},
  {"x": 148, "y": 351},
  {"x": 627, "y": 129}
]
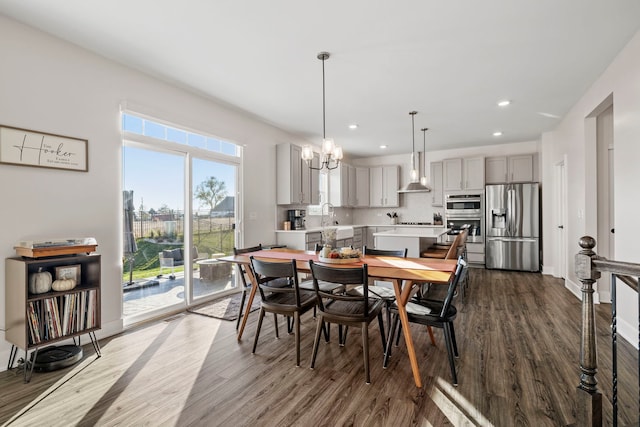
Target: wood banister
[{"x": 588, "y": 267}]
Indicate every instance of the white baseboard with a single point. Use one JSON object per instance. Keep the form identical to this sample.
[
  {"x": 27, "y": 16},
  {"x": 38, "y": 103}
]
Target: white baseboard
[{"x": 627, "y": 331}]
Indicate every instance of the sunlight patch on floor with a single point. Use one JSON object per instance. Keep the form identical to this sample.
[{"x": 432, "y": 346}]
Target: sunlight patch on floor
[
  {"x": 160, "y": 392},
  {"x": 455, "y": 406}
]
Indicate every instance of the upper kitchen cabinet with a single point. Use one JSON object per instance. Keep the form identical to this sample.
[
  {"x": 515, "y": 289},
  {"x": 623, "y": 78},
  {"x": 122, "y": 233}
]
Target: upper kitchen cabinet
[
  {"x": 384, "y": 182},
  {"x": 349, "y": 186},
  {"x": 339, "y": 195},
  {"x": 463, "y": 174},
  {"x": 296, "y": 183},
  {"x": 517, "y": 168},
  {"x": 437, "y": 195},
  {"x": 361, "y": 187}
]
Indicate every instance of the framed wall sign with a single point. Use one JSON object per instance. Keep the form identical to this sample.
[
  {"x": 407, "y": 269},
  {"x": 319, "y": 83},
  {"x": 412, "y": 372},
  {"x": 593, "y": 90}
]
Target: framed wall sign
[{"x": 32, "y": 148}]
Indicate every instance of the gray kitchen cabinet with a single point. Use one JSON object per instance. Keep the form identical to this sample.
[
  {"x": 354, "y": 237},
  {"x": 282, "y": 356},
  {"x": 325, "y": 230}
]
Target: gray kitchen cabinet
[
  {"x": 311, "y": 239},
  {"x": 521, "y": 168},
  {"x": 463, "y": 174},
  {"x": 358, "y": 237},
  {"x": 296, "y": 183},
  {"x": 517, "y": 168},
  {"x": 383, "y": 186},
  {"x": 344, "y": 243},
  {"x": 361, "y": 187},
  {"x": 475, "y": 253},
  {"x": 495, "y": 169},
  {"x": 437, "y": 193},
  {"x": 340, "y": 185}
]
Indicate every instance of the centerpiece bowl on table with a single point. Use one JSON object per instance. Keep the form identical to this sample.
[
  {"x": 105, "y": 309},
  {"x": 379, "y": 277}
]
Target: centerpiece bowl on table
[{"x": 340, "y": 256}]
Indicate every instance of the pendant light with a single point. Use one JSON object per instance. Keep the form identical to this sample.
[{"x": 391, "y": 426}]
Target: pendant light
[
  {"x": 330, "y": 151},
  {"x": 414, "y": 186},
  {"x": 423, "y": 179}
]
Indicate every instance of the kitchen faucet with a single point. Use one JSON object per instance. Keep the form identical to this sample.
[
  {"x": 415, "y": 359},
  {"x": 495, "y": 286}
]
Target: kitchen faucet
[{"x": 324, "y": 222}]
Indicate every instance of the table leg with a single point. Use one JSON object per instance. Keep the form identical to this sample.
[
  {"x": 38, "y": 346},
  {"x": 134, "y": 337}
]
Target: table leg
[
  {"x": 252, "y": 294},
  {"x": 403, "y": 293}
]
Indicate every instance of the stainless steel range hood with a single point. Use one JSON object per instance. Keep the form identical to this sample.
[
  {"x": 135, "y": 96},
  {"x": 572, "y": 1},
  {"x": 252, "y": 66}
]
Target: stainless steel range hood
[{"x": 415, "y": 187}]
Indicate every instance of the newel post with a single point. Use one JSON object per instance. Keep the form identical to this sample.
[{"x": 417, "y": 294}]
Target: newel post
[{"x": 589, "y": 405}]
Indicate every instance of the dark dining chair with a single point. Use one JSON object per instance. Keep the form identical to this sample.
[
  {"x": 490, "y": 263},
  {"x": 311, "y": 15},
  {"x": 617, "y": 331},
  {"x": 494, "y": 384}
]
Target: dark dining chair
[
  {"x": 385, "y": 293},
  {"x": 343, "y": 309},
  {"x": 335, "y": 288},
  {"x": 433, "y": 313},
  {"x": 246, "y": 283},
  {"x": 288, "y": 301}
]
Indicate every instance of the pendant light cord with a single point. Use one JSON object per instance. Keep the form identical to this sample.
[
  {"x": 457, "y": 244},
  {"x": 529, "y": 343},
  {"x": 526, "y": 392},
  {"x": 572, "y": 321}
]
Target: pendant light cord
[
  {"x": 413, "y": 139},
  {"x": 324, "y": 120}
]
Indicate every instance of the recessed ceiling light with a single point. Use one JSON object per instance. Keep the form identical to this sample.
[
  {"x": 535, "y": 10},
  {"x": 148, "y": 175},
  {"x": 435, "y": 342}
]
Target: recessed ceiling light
[
  {"x": 383, "y": 146},
  {"x": 353, "y": 126},
  {"x": 504, "y": 103},
  {"x": 497, "y": 133}
]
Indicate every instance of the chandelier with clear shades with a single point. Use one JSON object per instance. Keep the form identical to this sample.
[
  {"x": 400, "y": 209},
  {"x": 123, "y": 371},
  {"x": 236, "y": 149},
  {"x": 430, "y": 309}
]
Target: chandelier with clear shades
[{"x": 331, "y": 154}]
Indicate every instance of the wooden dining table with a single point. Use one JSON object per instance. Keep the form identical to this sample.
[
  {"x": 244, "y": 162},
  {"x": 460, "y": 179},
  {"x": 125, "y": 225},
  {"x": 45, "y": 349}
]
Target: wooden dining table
[{"x": 404, "y": 273}]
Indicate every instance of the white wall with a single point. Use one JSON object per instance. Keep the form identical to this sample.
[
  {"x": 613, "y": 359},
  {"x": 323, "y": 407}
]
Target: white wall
[
  {"x": 573, "y": 140},
  {"x": 51, "y": 86}
]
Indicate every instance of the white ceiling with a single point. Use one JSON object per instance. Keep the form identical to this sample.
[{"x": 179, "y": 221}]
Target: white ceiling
[{"x": 449, "y": 60}]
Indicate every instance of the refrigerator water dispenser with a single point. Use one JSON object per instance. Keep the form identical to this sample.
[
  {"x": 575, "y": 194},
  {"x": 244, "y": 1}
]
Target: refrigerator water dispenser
[{"x": 498, "y": 218}]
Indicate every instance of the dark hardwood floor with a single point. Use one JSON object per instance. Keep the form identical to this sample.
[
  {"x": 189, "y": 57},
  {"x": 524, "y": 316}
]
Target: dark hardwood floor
[{"x": 518, "y": 336}]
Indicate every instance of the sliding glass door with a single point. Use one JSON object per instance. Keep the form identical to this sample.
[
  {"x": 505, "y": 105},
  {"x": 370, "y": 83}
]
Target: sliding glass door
[
  {"x": 213, "y": 219},
  {"x": 154, "y": 278},
  {"x": 179, "y": 216}
]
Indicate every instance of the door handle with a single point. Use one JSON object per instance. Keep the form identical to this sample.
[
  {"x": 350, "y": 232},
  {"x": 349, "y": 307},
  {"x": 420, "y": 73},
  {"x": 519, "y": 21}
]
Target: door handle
[
  {"x": 561, "y": 226},
  {"x": 613, "y": 230}
]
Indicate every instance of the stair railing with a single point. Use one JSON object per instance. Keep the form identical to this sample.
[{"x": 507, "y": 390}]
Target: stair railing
[{"x": 588, "y": 268}]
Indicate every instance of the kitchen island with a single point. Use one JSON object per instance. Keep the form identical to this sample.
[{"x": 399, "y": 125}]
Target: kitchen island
[{"x": 414, "y": 239}]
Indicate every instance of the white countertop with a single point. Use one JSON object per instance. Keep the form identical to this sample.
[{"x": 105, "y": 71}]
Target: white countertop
[
  {"x": 397, "y": 226},
  {"x": 432, "y": 233}
]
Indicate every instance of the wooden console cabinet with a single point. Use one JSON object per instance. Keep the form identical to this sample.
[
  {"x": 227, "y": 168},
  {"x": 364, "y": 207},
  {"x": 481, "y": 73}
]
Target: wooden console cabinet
[{"x": 37, "y": 320}]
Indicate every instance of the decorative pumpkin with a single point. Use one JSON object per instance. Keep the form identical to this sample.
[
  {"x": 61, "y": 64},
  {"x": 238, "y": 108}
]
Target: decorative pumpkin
[
  {"x": 63, "y": 284},
  {"x": 40, "y": 282}
]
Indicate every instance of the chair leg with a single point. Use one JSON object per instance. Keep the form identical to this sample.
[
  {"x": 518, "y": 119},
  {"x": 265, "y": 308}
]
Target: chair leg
[
  {"x": 342, "y": 335},
  {"x": 241, "y": 313},
  {"x": 399, "y": 334},
  {"x": 255, "y": 340},
  {"x": 326, "y": 328},
  {"x": 452, "y": 363},
  {"x": 316, "y": 341},
  {"x": 381, "y": 326},
  {"x": 453, "y": 341},
  {"x": 433, "y": 339},
  {"x": 392, "y": 331},
  {"x": 365, "y": 350},
  {"x": 289, "y": 324},
  {"x": 275, "y": 324},
  {"x": 296, "y": 321}
]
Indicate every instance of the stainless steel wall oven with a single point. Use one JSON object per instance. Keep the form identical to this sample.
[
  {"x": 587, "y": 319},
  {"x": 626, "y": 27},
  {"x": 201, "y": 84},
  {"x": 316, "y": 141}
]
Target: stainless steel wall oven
[{"x": 465, "y": 211}]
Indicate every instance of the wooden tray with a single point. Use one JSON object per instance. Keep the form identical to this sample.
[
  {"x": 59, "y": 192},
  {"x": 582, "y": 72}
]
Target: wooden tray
[{"x": 338, "y": 260}]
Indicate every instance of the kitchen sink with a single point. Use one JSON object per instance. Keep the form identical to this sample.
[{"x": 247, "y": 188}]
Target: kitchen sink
[{"x": 344, "y": 232}]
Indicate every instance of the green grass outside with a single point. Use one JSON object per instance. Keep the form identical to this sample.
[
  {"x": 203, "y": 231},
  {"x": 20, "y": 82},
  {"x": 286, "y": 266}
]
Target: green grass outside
[{"x": 146, "y": 263}]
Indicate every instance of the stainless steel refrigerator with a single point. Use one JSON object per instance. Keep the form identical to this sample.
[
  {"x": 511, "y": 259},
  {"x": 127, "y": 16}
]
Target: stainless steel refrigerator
[{"x": 512, "y": 226}]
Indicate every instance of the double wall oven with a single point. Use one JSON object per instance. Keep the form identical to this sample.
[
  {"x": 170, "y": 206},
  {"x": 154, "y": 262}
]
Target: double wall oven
[{"x": 465, "y": 211}]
